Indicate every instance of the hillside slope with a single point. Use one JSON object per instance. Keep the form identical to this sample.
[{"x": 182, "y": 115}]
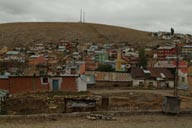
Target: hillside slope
[{"x": 16, "y": 34}]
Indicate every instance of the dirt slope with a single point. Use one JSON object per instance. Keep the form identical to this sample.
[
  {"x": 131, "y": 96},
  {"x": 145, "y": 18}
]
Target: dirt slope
[{"x": 16, "y": 34}]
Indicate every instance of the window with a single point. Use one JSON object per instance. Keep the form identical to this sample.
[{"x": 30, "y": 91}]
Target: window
[
  {"x": 44, "y": 80},
  {"x": 141, "y": 84},
  {"x": 88, "y": 79},
  {"x": 151, "y": 84},
  {"x": 183, "y": 79},
  {"x": 167, "y": 85}
]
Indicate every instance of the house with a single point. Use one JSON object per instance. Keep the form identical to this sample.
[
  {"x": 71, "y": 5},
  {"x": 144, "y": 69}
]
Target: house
[
  {"x": 90, "y": 79},
  {"x": 36, "y": 60},
  {"x": 127, "y": 51},
  {"x": 75, "y": 67},
  {"x": 107, "y": 46},
  {"x": 149, "y": 52},
  {"x": 159, "y": 78},
  {"x": 93, "y": 47},
  {"x": 183, "y": 76},
  {"x": 112, "y": 54},
  {"x": 164, "y": 64},
  {"x": 39, "y": 47},
  {"x": 61, "y": 48},
  {"x": 3, "y": 50},
  {"x": 4, "y": 82},
  {"x": 28, "y": 84},
  {"x": 111, "y": 79},
  {"x": 171, "y": 65},
  {"x": 186, "y": 50},
  {"x": 167, "y": 36},
  {"x": 12, "y": 55},
  {"x": 90, "y": 64},
  {"x": 76, "y": 55},
  {"x": 152, "y": 77},
  {"x": 190, "y": 78},
  {"x": 101, "y": 56},
  {"x": 138, "y": 76},
  {"x": 163, "y": 52}
]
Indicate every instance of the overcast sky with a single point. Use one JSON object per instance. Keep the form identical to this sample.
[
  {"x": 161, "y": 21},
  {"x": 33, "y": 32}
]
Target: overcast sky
[{"x": 148, "y": 15}]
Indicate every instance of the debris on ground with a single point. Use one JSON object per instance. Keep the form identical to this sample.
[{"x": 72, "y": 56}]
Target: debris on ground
[{"x": 100, "y": 117}]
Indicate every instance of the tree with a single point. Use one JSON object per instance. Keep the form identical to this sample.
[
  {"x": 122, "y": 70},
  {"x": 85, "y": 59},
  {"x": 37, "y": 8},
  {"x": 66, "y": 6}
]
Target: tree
[
  {"x": 105, "y": 68},
  {"x": 172, "y": 31},
  {"x": 142, "y": 58}
]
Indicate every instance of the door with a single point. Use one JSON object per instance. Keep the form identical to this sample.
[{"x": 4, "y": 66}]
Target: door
[{"x": 55, "y": 85}]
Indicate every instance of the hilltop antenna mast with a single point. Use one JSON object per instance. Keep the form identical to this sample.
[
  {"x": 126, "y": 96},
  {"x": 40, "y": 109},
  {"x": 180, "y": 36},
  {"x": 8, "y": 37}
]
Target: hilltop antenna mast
[{"x": 81, "y": 16}]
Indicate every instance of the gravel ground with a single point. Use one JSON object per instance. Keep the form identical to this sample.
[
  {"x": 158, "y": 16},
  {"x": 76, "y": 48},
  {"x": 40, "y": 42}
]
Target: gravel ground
[{"x": 132, "y": 121}]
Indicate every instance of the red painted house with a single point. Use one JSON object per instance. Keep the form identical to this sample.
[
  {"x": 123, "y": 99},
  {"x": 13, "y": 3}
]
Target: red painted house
[
  {"x": 163, "y": 52},
  {"x": 27, "y": 84}
]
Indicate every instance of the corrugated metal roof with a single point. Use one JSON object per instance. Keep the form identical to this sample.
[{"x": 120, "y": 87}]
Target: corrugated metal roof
[
  {"x": 12, "y": 53},
  {"x": 160, "y": 73},
  {"x": 4, "y": 77},
  {"x": 111, "y": 76},
  {"x": 3, "y": 93}
]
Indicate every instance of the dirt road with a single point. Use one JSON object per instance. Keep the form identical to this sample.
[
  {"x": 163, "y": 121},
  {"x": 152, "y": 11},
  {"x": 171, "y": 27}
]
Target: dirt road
[
  {"x": 159, "y": 92},
  {"x": 132, "y": 121}
]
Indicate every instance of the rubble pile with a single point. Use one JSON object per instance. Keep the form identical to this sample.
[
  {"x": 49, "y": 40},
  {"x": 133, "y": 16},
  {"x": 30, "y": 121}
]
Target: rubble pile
[{"x": 100, "y": 117}]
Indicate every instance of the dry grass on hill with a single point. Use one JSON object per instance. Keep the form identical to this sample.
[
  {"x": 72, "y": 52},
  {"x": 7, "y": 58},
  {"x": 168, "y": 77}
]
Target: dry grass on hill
[{"x": 16, "y": 34}]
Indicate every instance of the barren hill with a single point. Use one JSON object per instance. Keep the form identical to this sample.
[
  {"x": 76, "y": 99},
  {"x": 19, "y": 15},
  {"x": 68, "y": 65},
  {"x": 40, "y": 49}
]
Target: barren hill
[{"x": 16, "y": 34}]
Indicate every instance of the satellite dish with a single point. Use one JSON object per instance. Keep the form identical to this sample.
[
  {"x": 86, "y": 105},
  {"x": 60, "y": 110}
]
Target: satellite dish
[{"x": 128, "y": 66}]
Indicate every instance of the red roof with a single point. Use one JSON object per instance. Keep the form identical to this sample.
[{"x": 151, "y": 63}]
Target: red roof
[
  {"x": 38, "y": 60},
  {"x": 158, "y": 72},
  {"x": 183, "y": 70},
  {"x": 181, "y": 63},
  {"x": 137, "y": 72}
]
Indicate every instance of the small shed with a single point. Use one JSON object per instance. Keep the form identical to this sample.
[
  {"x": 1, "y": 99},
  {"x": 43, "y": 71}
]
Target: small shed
[
  {"x": 171, "y": 104},
  {"x": 77, "y": 104}
]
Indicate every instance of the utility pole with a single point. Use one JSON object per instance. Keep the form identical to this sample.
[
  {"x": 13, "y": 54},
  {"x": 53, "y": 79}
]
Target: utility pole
[{"x": 176, "y": 71}]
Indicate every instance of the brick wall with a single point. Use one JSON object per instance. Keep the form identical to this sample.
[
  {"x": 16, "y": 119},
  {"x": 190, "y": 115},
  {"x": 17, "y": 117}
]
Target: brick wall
[
  {"x": 34, "y": 84},
  {"x": 4, "y": 84},
  {"x": 26, "y": 85},
  {"x": 69, "y": 84}
]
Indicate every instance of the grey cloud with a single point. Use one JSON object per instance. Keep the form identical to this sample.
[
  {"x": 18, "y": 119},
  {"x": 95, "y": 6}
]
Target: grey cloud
[{"x": 148, "y": 15}]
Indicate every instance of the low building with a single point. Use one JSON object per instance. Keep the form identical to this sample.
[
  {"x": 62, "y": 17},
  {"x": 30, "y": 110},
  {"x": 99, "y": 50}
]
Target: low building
[
  {"x": 28, "y": 84},
  {"x": 186, "y": 50},
  {"x": 101, "y": 56},
  {"x": 138, "y": 76},
  {"x": 159, "y": 78},
  {"x": 111, "y": 79},
  {"x": 163, "y": 52},
  {"x": 90, "y": 79},
  {"x": 12, "y": 55}
]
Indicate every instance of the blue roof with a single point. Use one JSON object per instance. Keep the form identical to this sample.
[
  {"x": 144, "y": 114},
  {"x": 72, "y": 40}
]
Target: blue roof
[
  {"x": 12, "y": 53},
  {"x": 90, "y": 79},
  {"x": 4, "y": 77}
]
